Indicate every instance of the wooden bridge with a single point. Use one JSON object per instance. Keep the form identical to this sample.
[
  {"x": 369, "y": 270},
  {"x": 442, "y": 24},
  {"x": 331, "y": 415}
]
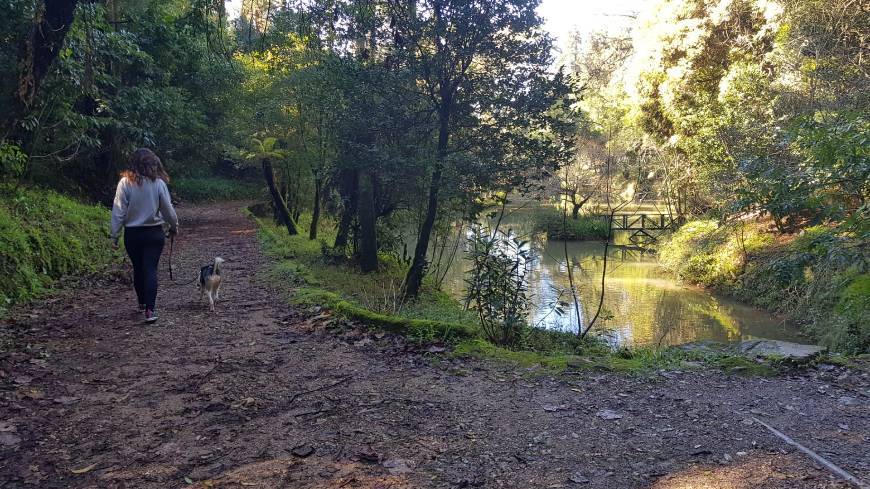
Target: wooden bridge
[{"x": 645, "y": 226}]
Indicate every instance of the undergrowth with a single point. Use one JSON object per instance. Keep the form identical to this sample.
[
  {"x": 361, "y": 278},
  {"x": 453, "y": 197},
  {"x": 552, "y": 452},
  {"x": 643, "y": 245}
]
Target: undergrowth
[
  {"x": 550, "y": 221},
  {"x": 819, "y": 278},
  {"x": 45, "y": 236},
  {"x": 214, "y": 189}
]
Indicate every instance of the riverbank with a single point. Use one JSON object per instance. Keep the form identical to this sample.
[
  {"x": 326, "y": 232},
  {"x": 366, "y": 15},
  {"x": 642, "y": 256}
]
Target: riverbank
[
  {"x": 265, "y": 395},
  {"x": 316, "y": 280},
  {"x": 818, "y": 277}
]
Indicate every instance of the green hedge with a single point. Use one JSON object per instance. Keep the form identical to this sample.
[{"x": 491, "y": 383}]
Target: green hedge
[{"x": 44, "y": 236}]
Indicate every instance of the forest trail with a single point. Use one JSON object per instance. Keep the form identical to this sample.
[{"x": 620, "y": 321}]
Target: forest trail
[{"x": 262, "y": 395}]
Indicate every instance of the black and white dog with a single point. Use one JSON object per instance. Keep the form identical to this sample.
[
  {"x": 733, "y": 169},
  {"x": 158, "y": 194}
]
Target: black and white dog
[{"x": 210, "y": 281}]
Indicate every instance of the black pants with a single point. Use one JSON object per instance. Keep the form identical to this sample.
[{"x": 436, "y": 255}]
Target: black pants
[{"x": 144, "y": 246}]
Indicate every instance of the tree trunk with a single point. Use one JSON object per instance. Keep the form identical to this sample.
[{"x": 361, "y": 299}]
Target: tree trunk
[
  {"x": 414, "y": 278},
  {"x": 315, "y": 212},
  {"x": 38, "y": 52},
  {"x": 349, "y": 189},
  {"x": 575, "y": 210},
  {"x": 277, "y": 200},
  {"x": 368, "y": 226}
]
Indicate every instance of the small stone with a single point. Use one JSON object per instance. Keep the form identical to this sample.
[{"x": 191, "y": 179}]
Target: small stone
[
  {"x": 742, "y": 454},
  {"x": 302, "y": 451},
  {"x": 65, "y": 400},
  {"x": 398, "y": 466},
  {"x": 608, "y": 414},
  {"x": 846, "y": 401},
  {"x": 578, "y": 478},
  {"x": 747, "y": 422}
]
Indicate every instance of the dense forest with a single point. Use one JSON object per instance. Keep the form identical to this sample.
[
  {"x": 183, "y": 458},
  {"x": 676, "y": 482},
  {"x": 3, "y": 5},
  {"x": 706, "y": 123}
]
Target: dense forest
[{"x": 372, "y": 127}]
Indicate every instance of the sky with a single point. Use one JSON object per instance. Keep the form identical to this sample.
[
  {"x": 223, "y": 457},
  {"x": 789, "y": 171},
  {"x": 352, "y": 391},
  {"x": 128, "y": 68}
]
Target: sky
[
  {"x": 586, "y": 16},
  {"x": 564, "y": 16}
]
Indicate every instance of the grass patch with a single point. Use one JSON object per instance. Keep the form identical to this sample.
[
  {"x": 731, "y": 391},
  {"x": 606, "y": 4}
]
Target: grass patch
[
  {"x": 549, "y": 220},
  {"x": 45, "y": 236},
  {"x": 373, "y": 298},
  {"x": 597, "y": 356},
  {"x": 214, "y": 189}
]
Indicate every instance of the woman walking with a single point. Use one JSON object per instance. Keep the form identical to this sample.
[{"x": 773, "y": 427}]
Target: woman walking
[{"x": 142, "y": 206}]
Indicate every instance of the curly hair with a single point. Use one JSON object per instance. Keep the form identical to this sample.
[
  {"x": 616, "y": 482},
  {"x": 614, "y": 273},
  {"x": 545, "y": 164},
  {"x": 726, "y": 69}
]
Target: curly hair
[{"x": 144, "y": 163}]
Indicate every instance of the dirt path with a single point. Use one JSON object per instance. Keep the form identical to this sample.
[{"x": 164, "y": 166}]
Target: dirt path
[{"x": 262, "y": 395}]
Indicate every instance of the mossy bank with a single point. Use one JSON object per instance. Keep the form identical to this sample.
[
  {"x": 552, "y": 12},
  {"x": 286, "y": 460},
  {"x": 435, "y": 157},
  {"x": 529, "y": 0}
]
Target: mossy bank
[
  {"x": 45, "y": 236},
  {"x": 818, "y": 277},
  {"x": 316, "y": 278}
]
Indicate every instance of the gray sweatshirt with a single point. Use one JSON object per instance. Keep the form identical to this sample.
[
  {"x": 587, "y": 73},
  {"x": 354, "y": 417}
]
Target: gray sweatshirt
[{"x": 144, "y": 204}]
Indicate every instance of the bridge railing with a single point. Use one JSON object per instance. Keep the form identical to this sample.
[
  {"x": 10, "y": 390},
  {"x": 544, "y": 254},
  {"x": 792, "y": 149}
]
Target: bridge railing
[{"x": 637, "y": 222}]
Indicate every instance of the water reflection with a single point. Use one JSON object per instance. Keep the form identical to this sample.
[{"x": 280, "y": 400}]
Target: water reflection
[{"x": 645, "y": 306}]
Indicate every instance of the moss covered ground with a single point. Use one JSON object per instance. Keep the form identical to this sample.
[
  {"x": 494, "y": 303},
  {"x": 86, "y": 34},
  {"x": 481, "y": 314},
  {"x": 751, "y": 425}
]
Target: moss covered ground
[{"x": 45, "y": 236}]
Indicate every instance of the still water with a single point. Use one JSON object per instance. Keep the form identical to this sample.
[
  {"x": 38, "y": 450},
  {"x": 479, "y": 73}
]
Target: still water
[{"x": 645, "y": 305}]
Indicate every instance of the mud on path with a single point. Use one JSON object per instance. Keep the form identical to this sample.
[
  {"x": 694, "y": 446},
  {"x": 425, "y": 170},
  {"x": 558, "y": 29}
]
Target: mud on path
[{"x": 262, "y": 395}]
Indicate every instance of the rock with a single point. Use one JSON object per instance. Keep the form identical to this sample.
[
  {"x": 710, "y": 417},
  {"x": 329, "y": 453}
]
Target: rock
[
  {"x": 66, "y": 400},
  {"x": 9, "y": 439},
  {"x": 608, "y": 414},
  {"x": 302, "y": 451},
  {"x": 552, "y": 408},
  {"x": 368, "y": 455},
  {"x": 846, "y": 401},
  {"x": 206, "y": 472},
  {"x": 398, "y": 466},
  {"x": 578, "y": 478},
  {"x": 779, "y": 349}
]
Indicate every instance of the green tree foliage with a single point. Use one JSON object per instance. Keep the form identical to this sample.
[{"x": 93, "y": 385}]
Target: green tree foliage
[
  {"x": 127, "y": 74},
  {"x": 767, "y": 100}
]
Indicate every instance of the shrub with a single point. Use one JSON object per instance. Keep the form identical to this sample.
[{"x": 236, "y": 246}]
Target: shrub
[
  {"x": 550, "y": 221},
  {"x": 213, "y": 189},
  {"x": 497, "y": 286}
]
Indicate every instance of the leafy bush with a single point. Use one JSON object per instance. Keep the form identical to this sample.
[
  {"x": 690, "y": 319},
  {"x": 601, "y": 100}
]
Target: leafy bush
[
  {"x": 212, "y": 189},
  {"x": 497, "y": 287},
  {"x": 551, "y": 222},
  {"x": 12, "y": 160},
  {"x": 45, "y": 236}
]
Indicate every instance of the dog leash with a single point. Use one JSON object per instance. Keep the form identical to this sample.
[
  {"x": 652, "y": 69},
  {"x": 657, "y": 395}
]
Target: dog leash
[{"x": 171, "y": 277}]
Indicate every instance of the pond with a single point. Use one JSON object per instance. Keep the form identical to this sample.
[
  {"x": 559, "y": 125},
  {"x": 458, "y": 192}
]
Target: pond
[{"x": 644, "y": 304}]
